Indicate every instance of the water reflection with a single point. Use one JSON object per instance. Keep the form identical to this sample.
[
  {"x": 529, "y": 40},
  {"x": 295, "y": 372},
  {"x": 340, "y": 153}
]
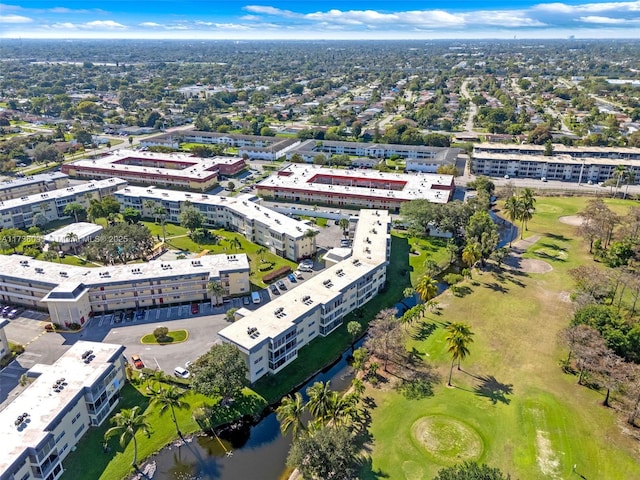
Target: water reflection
[{"x": 259, "y": 451}]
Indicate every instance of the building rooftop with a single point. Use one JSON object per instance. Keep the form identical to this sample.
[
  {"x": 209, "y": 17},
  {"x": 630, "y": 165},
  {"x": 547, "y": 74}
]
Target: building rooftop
[
  {"x": 44, "y": 404},
  {"x": 565, "y": 159},
  {"x": 558, "y": 148},
  {"x": 173, "y": 165},
  {"x": 31, "y": 179},
  {"x": 60, "y": 193},
  {"x": 368, "y": 253},
  {"x": 81, "y": 229},
  {"x": 243, "y": 205},
  {"x": 52, "y": 274},
  {"x": 364, "y": 183}
]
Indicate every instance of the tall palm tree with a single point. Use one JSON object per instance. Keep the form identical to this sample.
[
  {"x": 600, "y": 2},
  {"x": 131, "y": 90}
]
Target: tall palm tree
[
  {"x": 160, "y": 213},
  {"x": 150, "y": 205},
  {"x": 527, "y": 201},
  {"x": 619, "y": 172},
  {"x": 427, "y": 288},
  {"x": 320, "y": 399},
  {"x": 344, "y": 223},
  {"x": 459, "y": 336},
  {"x": 261, "y": 251},
  {"x": 235, "y": 243},
  {"x": 513, "y": 208},
  {"x": 72, "y": 238},
  {"x": 170, "y": 398},
  {"x": 127, "y": 423},
  {"x": 216, "y": 289},
  {"x": 471, "y": 253},
  {"x": 289, "y": 414}
]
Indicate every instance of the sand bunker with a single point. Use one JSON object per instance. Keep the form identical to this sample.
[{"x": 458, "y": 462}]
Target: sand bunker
[{"x": 574, "y": 220}]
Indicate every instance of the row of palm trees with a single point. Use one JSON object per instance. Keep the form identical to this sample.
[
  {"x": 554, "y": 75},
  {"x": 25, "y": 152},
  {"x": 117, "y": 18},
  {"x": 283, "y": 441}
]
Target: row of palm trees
[
  {"x": 129, "y": 421},
  {"x": 520, "y": 207},
  {"x": 327, "y": 407}
]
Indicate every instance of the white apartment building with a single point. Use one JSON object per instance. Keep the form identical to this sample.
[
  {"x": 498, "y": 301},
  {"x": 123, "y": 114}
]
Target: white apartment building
[
  {"x": 20, "y": 212},
  {"x": 312, "y": 184},
  {"x": 45, "y": 422},
  {"x": 165, "y": 169},
  {"x": 270, "y": 337},
  {"x": 41, "y": 183},
  {"x": 567, "y": 163},
  {"x": 280, "y": 234},
  {"x": 72, "y": 294}
]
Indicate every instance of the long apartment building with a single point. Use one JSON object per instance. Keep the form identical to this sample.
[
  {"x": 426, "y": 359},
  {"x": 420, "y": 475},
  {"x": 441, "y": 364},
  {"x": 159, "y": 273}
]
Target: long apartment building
[
  {"x": 312, "y": 184},
  {"x": 41, "y": 183},
  {"x": 72, "y": 294},
  {"x": 419, "y": 157},
  {"x": 20, "y": 212},
  {"x": 567, "y": 163},
  {"x": 149, "y": 168},
  {"x": 280, "y": 234},
  {"x": 271, "y": 336},
  {"x": 48, "y": 419},
  {"x": 255, "y": 147}
]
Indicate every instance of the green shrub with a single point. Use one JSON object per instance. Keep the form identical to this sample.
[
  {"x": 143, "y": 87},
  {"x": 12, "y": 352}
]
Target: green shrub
[{"x": 452, "y": 278}]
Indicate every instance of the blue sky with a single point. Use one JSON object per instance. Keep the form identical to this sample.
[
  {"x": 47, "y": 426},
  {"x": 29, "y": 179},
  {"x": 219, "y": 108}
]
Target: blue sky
[{"x": 313, "y": 19}]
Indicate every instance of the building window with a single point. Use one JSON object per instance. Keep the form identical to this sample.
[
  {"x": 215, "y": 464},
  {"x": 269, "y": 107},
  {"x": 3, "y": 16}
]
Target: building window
[{"x": 78, "y": 431}]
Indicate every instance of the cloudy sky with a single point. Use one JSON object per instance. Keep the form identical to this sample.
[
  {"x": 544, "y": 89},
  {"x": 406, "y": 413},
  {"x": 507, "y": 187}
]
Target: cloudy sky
[{"x": 313, "y": 19}]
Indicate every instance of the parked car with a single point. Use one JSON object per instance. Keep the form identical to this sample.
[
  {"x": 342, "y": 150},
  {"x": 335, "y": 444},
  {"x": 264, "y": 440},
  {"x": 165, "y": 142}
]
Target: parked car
[
  {"x": 281, "y": 285},
  {"x": 181, "y": 372},
  {"x": 6, "y": 309},
  {"x": 305, "y": 267},
  {"x": 246, "y": 301},
  {"x": 128, "y": 316},
  {"x": 292, "y": 278},
  {"x": 274, "y": 288},
  {"x": 137, "y": 361},
  {"x": 139, "y": 314},
  {"x": 15, "y": 313},
  {"x": 195, "y": 309},
  {"x": 298, "y": 275}
]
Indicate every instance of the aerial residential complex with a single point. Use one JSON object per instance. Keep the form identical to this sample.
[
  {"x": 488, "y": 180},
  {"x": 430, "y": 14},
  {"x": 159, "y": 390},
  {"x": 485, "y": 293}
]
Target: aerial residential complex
[
  {"x": 21, "y": 212},
  {"x": 21, "y": 186},
  {"x": 567, "y": 163},
  {"x": 45, "y": 422},
  {"x": 149, "y": 168},
  {"x": 254, "y": 147},
  {"x": 312, "y": 184},
  {"x": 282, "y": 235},
  {"x": 72, "y": 294},
  {"x": 271, "y": 336},
  {"x": 418, "y": 157}
]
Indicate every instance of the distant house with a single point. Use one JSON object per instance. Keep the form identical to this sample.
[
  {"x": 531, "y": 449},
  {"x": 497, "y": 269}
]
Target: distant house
[{"x": 83, "y": 232}]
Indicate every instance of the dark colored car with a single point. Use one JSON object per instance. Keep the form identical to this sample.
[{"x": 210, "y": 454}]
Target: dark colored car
[
  {"x": 139, "y": 314},
  {"x": 273, "y": 288},
  {"x": 281, "y": 285},
  {"x": 195, "y": 308},
  {"x": 15, "y": 313},
  {"x": 292, "y": 278},
  {"x": 128, "y": 316}
]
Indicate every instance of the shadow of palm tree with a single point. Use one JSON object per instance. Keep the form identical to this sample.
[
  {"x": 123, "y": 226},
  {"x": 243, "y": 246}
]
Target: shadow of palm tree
[
  {"x": 496, "y": 287},
  {"x": 488, "y": 386},
  {"x": 423, "y": 330}
]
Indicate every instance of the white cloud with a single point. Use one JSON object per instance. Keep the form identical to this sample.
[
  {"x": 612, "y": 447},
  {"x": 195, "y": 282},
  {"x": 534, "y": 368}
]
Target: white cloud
[
  {"x": 605, "y": 20},
  {"x": 108, "y": 24},
  {"x": 271, "y": 11},
  {"x": 63, "y": 26},
  {"x": 15, "y": 19},
  {"x": 150, "y": 24}
]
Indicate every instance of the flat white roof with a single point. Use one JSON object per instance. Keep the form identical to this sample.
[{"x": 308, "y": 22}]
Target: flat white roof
[
  {"x": 354, "y": 183},
  {"x": 558, "y": 148},
  {"x": 39, "y": 178},
  {"x": 44, "y": 404},
  {"x": 81, "y": 229},
  {"x": 564, "y": 158},
  {"x": 195, "y": 168},
  {"x": 61, "y": 193},
  {"x": 244, "y": 205},
  {"x": 52, "y": 274},
  {"x": 368, "y": 253}
]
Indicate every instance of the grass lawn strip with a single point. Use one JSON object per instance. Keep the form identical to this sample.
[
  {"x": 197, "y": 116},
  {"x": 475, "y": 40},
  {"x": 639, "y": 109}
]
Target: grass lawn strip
[
  {"x": 175, "y": 336},
  {"x": 534, "y": 420}
]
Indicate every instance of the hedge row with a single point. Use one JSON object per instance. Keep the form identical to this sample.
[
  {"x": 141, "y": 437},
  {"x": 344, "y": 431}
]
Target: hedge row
[{"x": 276, "y": 274}]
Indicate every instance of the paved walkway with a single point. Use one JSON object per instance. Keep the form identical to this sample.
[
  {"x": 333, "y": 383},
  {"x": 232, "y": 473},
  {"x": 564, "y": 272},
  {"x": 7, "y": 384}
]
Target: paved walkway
[{"x": 521, "y": 246}]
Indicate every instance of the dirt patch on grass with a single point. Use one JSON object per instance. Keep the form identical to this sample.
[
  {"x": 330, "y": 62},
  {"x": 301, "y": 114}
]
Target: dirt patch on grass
[
  {"x": 528, "y": 265},
  {"x": 574, "y": 220},
  {"x": 447, "y": 440},
  {"x": 545, "y": 456}
]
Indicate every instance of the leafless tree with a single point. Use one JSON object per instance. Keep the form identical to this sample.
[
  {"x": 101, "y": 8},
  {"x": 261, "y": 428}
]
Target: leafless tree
[
  {"x": 588, "y": 348},
  {"x": 591, "y": 280},
  {"x": 385, "y": 338},
  {"x": 609, "y": 373}
]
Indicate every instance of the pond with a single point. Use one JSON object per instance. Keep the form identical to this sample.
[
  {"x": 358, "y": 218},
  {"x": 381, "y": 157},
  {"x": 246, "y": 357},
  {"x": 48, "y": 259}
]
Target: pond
[{"x": 255, "y": 452}]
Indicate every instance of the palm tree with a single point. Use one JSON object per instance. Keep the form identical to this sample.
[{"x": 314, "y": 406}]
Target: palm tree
[
  {"x": 160, "y": 213},
  {"x": 527, "y": 201},
  {"x": 150, "y": 205},
  {"x": 235, "y": 243},
  {"x": 629, "y": 179},
  {"x": 289, "y": 414},
  {"x": 427, "y": 288},
  {"x": 344, "y": 223},
  {"x": 320, "y": 399},
  {"x": 74, "y": 209},
  {"x": 261, "y": 251},
  {"x": 72, "y": 238},
  {"x": 471, "y": 253},
  {"x": 127, "y": 423},
  {"x": 619, "y": 172},
  {"x": 216, "y": 290},
  {"x": 170, "y": 398},
  {"x": 459, "y": 336},
  {"x": 513, "y": 208}
]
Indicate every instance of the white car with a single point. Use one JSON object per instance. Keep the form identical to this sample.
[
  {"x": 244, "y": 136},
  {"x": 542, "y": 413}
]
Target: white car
[
  {"x": 181, "y": 372},
  {"x": 298, "y": 274}
]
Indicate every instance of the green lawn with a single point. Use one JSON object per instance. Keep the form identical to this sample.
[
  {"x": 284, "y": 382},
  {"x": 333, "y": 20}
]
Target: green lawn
[
  {"x": 532, "y": 419},
  {"x": 90, "y": 461},
  {"x": 176, "y": 336}
]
